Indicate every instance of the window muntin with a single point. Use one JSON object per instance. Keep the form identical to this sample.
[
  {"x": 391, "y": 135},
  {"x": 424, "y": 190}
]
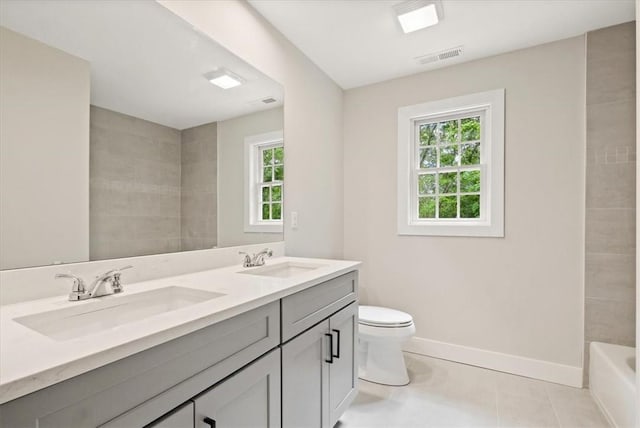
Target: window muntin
[{"x": 447, "y": 178}]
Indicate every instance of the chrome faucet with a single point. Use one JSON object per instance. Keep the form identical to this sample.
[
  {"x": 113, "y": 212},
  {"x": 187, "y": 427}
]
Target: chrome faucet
[
  {"x": 98, "y": 286},
  {"x": 112, "y": 278},
  {"x": 256, "y": 259}
]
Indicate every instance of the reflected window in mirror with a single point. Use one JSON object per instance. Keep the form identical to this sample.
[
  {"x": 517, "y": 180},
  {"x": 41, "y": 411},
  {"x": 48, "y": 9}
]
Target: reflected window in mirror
[{"x": 264, "y": 182}]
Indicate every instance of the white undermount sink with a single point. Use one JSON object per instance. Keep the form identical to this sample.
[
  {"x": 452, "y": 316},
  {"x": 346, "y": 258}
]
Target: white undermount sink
[
  {"x": 283, "y": 270},
  {"x": 97, "y": 315}
]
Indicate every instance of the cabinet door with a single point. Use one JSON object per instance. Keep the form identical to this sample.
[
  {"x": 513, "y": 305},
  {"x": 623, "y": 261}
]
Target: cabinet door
[
  {"x": 305, "y": 379},
  {"x": 182, "y": 417},
  {"x": 343, "y": 371},
  {"x": 250, "y": 398}
]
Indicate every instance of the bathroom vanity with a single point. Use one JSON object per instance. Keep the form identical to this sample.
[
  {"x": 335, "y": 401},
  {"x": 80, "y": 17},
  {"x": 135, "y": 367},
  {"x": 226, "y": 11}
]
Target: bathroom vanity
[{"x": 261, "y": 347}]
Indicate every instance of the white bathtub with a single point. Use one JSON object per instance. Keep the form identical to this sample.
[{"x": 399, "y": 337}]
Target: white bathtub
[{"x": 612, "y": 380}]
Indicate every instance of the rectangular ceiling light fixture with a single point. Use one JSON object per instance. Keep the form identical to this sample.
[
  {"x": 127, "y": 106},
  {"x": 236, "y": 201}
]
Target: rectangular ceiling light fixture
[
  {"x": 224, "y": 79},
  {"x": 418, "y": 14}
]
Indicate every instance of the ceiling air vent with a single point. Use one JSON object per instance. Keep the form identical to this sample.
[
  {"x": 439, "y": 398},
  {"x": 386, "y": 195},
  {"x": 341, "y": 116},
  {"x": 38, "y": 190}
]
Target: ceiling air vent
[
  {"x": 440, "y": 56},
  {"x": 269, "y": 100}
]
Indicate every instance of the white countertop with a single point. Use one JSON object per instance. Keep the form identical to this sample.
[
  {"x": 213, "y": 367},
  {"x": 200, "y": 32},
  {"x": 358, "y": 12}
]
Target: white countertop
[{"x": 30, "y": 361}]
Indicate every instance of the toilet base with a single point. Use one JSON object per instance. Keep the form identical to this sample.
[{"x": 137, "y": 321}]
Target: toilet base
[{"x": 382, "y": 363}]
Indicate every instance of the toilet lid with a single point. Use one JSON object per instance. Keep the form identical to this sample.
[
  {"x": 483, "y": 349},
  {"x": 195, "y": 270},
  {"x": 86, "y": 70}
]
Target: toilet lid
[{"x": 377, "y": 316}]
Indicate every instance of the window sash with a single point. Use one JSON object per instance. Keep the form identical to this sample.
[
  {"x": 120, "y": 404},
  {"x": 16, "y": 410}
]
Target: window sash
[
  {"x": 270, "y": 202},
  {"x": 416, "y": 170},
  {"x": 255, "y": 146},
  {"x": 260, "y": 184}
]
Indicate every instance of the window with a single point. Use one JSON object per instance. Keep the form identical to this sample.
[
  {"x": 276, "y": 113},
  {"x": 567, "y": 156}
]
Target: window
[
  {"x": 450, "y": 166},
  {"x": 264, "y": 182}
]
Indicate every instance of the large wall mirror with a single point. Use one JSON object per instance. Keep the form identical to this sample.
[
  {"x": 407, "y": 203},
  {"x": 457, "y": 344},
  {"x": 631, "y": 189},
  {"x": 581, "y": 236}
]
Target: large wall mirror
[{"x": 125, "y": 132}]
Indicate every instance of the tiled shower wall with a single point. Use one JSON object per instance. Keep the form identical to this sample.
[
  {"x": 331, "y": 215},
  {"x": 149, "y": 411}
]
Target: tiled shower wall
[
  {"x": 199, "y": 189},
  {"x": 134, "y": 194},
  {"x": 147, "y": 183},
  {"x": 610, "y": 187}
]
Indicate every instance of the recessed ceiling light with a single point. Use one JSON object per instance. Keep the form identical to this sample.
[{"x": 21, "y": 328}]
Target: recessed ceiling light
[
  {"x": 224, "y": 79},
  {"x": 418, "y": 14}
]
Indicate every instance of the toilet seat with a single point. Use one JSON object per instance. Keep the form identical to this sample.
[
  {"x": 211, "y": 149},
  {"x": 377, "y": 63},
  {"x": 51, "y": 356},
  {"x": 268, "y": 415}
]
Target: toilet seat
[{"x": 375, "y": 316}]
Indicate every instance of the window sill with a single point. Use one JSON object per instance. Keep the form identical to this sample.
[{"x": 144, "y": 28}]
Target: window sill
[
  {"x": 263, "y": 228},
  {"x": 448, "y": 228}
]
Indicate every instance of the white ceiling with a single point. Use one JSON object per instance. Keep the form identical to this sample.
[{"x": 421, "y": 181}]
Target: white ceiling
[
  {"x": 359, "y": 42},
  {"x": 145, "y": 61}
]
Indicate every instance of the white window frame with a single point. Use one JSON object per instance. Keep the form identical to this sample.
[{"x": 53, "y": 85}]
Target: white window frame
[
  {"x": 490, "y": 105},
  {"x": 252, "y": 170}
]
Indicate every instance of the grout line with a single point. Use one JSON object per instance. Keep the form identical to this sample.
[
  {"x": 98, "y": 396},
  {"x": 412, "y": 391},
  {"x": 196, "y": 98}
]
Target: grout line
[
  {"x": 555, "y": 413},
  {"x": 599, "y": 253},
  {"x": 608, "y": 299},
  {"x": 610, "y": 208}
]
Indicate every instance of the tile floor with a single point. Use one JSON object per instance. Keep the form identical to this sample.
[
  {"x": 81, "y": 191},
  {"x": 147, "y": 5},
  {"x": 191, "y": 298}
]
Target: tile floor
[{"x": 447, "y": 394}]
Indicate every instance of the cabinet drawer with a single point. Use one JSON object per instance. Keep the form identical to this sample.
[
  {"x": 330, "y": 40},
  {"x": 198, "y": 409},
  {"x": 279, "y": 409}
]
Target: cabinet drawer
[{"x": 306, "y": 308}]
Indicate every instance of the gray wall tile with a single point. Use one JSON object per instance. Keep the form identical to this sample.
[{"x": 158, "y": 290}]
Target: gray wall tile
[
  {"x": 610, "y": 230},
  {"x": 611, "y": 64},
  {"x": 608, "y": 185},
  {"x": 610, "y": 188},
  {"x": 610, "y": 276},
  {"x": 611, "y": 124},
  {"x": 610, "y": 321},
  {"x": 135, "y": 186},
  {"x": 199, "y": 187}
]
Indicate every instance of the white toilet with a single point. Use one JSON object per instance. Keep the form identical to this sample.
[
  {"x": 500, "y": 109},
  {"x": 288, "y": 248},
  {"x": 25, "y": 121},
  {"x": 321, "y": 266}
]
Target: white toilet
[{"x": 382, "y": 333}]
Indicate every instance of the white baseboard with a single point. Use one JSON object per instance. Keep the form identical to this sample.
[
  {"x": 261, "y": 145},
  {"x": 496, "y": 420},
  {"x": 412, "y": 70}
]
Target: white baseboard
[{"x": 514, "y": 364}]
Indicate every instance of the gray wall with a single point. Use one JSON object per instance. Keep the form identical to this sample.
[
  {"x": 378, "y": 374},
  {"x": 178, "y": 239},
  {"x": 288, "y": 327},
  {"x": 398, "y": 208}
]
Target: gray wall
[
  {"x": 44, "y": 147},
  {"x": 231, "y": 186},
  {"x": 521, "y": 295},
  {"x": 135, "y": 186},
  {"x": 313, "y": 129},
  {"x": 199, "y": 187},
  {"x": 610, "y": 198}
]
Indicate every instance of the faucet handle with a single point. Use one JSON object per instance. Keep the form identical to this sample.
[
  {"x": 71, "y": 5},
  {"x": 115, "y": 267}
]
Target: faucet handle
[
  {"x": 78, "y": 291},
  {"x": 78, "y": 283},
  {"x": 248, "y": 261},
  {"x": 113, "y": 272},
  {"x": 116, "y": 285}
]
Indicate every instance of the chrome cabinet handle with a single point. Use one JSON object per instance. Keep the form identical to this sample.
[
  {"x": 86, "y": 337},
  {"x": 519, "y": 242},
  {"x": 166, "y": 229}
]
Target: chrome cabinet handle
[
  {"x": 330, "y": 336},
  {"x": 338, "y": 333}
]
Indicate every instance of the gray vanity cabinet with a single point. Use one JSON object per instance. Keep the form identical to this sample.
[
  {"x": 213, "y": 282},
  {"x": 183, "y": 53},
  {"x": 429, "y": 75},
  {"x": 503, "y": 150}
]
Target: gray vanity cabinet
[
  {"x": 250, "y": 398},
  {"x": 343, "y": 375},
  {"x": 305, "y": 379},
  {"x": 138, "y": 390},
  {"x": 319, "y": 372},
  {"x": 287, "y": 364}
]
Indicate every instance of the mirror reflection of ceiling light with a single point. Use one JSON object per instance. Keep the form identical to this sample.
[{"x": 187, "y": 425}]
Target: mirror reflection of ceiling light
[
  {"x": 224, "y": 79},
  {"x": 418, "y": 14}
]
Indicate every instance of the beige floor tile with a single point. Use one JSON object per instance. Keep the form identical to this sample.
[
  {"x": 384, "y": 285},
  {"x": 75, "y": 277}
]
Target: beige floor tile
[
  {"x": 508, "y": 384},
  {"x": 524, "y": 411},
  {"x": 575, "y": 407},
  {"x": 447, "y": 394}
]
